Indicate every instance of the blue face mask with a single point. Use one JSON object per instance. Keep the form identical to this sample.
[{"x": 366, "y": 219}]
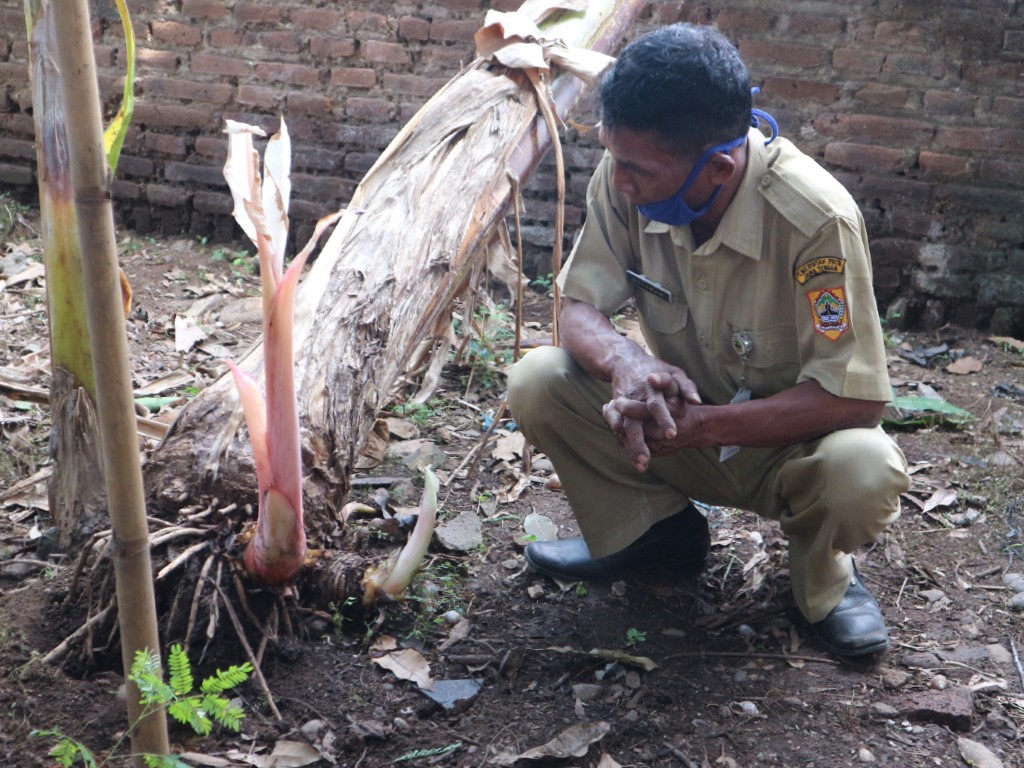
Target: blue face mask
[{"x": 675, "y": 211}]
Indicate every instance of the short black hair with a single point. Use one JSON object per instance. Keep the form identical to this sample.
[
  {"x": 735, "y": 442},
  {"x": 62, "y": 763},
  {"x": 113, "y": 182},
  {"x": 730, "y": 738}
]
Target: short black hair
[{"x": 685, "y": 83}]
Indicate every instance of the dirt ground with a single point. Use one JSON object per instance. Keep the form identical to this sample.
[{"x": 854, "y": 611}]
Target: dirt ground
[{"x": 714, "y": 671}]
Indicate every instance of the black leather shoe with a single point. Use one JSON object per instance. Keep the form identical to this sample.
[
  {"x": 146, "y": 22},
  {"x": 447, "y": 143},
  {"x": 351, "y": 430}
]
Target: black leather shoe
[
  {"x": 679, "y": 544},
  {"x": 855, "y": 627}
]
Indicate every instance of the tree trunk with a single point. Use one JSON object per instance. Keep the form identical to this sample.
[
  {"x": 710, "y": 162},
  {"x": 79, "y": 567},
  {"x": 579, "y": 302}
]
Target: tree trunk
[
  {"x": 77, "y": 500},
  {"x": 385, "y": 281},
  {"x": 90, "y": 176}
]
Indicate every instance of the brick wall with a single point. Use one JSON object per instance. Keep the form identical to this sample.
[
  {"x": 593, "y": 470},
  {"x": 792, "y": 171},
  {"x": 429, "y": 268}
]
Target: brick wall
[{"x": 916, "y": 105}]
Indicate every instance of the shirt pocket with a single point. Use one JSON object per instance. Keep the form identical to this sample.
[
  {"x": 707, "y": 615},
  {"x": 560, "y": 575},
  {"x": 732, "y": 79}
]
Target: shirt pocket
[
  {"x": 662, "y": 316},
  {"x": 773, "y": 363}
]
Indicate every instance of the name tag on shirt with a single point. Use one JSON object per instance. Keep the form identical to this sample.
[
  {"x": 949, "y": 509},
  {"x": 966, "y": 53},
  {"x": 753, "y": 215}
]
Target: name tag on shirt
[{"x": 645, "y": 283}]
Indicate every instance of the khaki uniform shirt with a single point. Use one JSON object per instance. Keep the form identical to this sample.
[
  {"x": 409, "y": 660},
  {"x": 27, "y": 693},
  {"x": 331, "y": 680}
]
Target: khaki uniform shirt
[{"x": 788, "y": 270}]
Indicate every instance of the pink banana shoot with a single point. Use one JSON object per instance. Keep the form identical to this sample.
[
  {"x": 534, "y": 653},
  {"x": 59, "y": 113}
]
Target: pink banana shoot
[{"x": 277, "y": 551}]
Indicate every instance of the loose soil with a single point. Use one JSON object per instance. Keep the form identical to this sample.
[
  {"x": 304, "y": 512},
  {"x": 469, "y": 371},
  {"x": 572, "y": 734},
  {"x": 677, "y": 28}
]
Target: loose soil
[{"x": 716, "y": 670}]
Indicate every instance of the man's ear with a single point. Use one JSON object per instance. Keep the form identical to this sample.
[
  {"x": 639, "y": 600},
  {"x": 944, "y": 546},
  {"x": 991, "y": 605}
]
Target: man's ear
[{"x": 721, "y": 168}]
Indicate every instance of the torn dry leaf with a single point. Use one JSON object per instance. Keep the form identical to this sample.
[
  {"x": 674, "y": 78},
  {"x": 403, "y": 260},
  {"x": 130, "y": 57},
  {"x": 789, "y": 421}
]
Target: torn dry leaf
[{"x": 403, "y": 663}]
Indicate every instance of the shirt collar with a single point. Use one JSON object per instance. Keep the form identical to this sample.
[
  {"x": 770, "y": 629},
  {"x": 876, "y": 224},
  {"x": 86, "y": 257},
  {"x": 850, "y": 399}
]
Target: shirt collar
[{"x": 742, "y": 227}]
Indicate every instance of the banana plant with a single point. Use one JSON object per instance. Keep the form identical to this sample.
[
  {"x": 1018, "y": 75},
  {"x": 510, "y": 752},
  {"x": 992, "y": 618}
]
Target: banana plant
[{"x": 276, "y": 552}]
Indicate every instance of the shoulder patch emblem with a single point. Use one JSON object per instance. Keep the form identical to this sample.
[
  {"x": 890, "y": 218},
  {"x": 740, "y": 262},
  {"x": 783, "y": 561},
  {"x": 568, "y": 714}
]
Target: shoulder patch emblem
[
  {"x": 820, "y": 266},
  {"x": 831, "y": 315}
]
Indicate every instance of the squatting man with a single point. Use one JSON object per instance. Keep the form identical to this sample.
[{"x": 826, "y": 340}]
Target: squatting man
[{"x": 766, "y": 378}]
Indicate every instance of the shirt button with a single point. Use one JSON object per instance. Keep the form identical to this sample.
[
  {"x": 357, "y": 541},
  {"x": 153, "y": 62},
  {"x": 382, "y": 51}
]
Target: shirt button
[
  {"x": 702, "y": 284},
  {"x": 703, "y": 340},
  {"x": 766, "y": 180}
]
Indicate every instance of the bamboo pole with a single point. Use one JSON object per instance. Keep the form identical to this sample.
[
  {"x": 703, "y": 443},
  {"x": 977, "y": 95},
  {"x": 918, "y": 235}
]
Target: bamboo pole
[{"x": 90, "y": 179}]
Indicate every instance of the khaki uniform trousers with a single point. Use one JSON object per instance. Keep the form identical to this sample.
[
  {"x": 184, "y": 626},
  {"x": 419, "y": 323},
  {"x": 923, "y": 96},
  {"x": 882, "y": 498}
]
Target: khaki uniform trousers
[{"x": 830, "y": 495}]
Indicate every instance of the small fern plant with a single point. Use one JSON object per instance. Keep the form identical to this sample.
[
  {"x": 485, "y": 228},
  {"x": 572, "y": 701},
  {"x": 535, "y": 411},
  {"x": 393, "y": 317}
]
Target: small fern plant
[{"x": 197, "y": 709}]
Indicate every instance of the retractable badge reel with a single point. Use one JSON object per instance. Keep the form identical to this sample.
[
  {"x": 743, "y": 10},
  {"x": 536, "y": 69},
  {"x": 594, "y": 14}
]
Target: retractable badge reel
[{"x": 742, "y": 345}]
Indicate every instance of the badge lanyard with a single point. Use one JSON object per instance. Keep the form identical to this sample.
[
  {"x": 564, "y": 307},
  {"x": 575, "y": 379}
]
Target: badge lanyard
[{"x": 742, "y": 345}]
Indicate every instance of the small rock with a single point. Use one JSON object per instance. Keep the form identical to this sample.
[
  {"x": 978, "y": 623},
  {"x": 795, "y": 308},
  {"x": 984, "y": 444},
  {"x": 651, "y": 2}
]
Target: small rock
[
  {"x": 240, "y": 311},
  {"x": 878, "y": 709},
  {"x": 933, "y": 595},
  {"x": 745, "y": 709},
  {"x": 632, "y": 680},
  {"x": 510, "y": 564},
  {"x": 894, "y": 679},
  {"x": 953, "y": 707},
  {"x": 632, "y": 716},
  {"x": 1014, "y": 581},
  {"x": 794, "y": 703},
  {"x": 461, "y": 534},
  {"x": 921, "y": 660},
  {"x": 865, "y": 755},
  {"x": 542, "y": 465},
  {"x": 998, "y": 654},
  {"x": 401, "y": 724},
  {"x": 313, "y": 729},
  {"x": 553, "y": 483},
  {"x": 1017, "y": 602},
  {"x": 535, "y": 591},
  {"x": 587, "y": 692}
]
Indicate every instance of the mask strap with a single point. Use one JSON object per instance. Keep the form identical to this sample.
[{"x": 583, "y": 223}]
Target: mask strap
[{"x": 756, "y": 115}]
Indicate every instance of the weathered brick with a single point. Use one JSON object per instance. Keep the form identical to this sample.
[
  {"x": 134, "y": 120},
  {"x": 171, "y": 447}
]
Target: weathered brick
[
  {"x": 413, "y": 28},
  {"x": 746, "y": 20},
  {"x": 454, "y": 30},
  {"x": 282, "y": 42},
  {"x": 20, "y": 148},
  {"x": 321, "y": 19},
  {"x": 949, "y": 102},
  {"x": 915, "y": 64},
  {"x": 935, "y": 164},
  {"x": 413, "y": 85},
  {"x": 147, "y": 58},
  {"x": 669, "y": 13},
  {"x": 104, "y": 55},
  {"x": 353, "y": 77},
  {"x": 367, "y": 21},
  {"x": 989, "y": 73},
  {"x": 212, "y": 147},
  {"x": 376, "y": 52},
  {"x": 864, "y": 157},
  {"x": 378, "y": 136},
  {"x": 1007, "y": 106},
  {"x": 332, "y": 47},
  {"x": 1013, "y": 41},
  {"x": 18, "y": 175},
  {"x": 168, "y": 196},
  {"x": 981, "y": 139},
  {"x": 125, "y": 190},
  {"x": 316, "y": 187},
  {"x": 172, "y": 115},
  {"x": 436, "y": 59},
  {"x": 360, "y": 162},
  {"x": 815, "y": 24},
  {"x": 904, "y": 131},
  {"x": 308, "y": 104},
  {"x": 901, "y": 35},
  {"x": 858, "y": 60},
  {"x": 460, "y": 5},
  {"x": 254, "y": 13},
  {"x": 883, "y": 95},
  {"x": 792, "y": 88},
  {"x": 166, "y": 144},
  {"x": 293, "y": 74},
  {"x": 370, "y": 110},
  {"x": 782, "y": 53},
  {"x": 212, "y": 64},
  {"x": 189, "y": 172},
  {"x": 176, "y": 33},
  {"x": 1001, "y": 171},
  {"x": 232, "y": 37},
  {"x": 209, "y": 10},
  {"x": 212, "y": 202},
  {"x": 135, "y": 167},
  {"x": 186, "y": 90},
  {"x": 916, "y": 224},
  {"x": 316, "y": 159},
  {"x": 258, "y": 96}
]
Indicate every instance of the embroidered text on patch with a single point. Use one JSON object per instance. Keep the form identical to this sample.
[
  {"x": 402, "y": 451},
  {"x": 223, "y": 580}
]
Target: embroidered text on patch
[
  {"x": 819, "y": 266},
  {"x": 831, "y": 318}
]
